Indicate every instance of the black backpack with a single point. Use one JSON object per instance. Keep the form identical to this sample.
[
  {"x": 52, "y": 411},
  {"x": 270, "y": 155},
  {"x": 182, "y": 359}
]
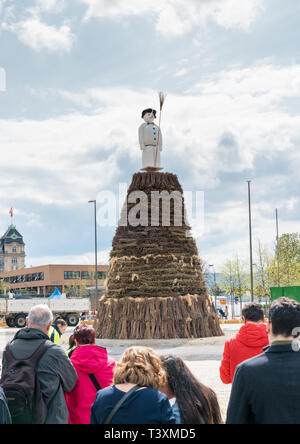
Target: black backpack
[{"x": 22, "y": 388}]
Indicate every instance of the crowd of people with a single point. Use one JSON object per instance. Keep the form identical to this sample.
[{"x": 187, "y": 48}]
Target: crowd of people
[{"x": 41, "y": 383}]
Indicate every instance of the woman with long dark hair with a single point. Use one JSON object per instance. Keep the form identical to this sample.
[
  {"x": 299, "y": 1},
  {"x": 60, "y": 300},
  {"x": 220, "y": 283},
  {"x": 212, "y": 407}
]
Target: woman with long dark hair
[{"x": 193, "y": 402}]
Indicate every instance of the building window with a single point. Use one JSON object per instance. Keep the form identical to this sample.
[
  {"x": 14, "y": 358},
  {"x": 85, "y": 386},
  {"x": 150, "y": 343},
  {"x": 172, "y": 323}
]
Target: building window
[
  {"x": 38, "y": 277},
  {"x": 25, "y": 278},
  {"x": 14, "y": 260},
  {"x": 72, "y": 274},
  {"x": 14, "y": 249},
  {"x": 86, "y": 275},
  {"x": 91, "y": 275},
  {"x": 102, "y": 275}
]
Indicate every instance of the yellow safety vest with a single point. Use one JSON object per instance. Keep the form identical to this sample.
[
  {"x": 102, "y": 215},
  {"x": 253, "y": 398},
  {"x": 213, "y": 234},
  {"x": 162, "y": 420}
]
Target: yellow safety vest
[{"x": 54, "y": 335}]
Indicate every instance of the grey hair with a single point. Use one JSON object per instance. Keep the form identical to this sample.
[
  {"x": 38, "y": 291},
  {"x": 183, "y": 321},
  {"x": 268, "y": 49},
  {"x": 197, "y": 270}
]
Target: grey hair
[{"x": 40, "y": 315}]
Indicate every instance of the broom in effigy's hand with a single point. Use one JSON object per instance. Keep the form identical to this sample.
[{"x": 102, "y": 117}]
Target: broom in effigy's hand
[{"x": 162, "y": 97}]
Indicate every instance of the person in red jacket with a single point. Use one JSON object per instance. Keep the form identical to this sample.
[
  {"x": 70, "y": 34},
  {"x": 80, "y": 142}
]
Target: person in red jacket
[
  {"x": 95, "y": 372},
  {"x": 249, "y": 342}
]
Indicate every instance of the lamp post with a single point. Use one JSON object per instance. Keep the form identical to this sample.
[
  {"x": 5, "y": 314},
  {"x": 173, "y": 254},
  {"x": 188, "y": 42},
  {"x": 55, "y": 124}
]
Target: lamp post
[
  {"x": 215, "y": 284},
  {"x": 96, "y": 249},
  {"x": 250, "y": 237},
  {"x": 277, "y": 248}
]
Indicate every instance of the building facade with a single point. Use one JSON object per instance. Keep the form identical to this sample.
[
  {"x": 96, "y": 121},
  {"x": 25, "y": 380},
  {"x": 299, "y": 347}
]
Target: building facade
[
  {"x": 12, "y": 250},
  {"x": 43, "y": 280}
]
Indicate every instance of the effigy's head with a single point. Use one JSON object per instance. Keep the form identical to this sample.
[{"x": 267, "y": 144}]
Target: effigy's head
[{"x": 149, "y": 115}]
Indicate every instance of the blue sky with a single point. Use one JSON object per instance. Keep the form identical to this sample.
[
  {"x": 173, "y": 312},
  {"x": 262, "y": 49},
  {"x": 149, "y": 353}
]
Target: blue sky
[{"x": 78, "y": 74}]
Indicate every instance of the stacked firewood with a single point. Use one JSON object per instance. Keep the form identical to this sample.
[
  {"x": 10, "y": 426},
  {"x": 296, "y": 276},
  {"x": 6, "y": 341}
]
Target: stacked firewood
[{"x": 155, "y": 286}]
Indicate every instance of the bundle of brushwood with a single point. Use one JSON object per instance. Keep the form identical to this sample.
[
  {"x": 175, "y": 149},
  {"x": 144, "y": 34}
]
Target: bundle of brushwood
[{"x": 155, "y": 287}]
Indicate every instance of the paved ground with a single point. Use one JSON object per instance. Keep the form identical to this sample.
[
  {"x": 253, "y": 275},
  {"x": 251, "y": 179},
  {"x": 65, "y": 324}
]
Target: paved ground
[{"x": 203, "y": 356}]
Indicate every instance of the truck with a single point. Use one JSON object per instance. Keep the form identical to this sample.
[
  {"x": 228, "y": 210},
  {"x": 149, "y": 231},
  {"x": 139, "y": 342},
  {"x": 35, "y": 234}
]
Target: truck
[
  {"x": 288, "y": 292},
  {"x": 15, "y": 311}
]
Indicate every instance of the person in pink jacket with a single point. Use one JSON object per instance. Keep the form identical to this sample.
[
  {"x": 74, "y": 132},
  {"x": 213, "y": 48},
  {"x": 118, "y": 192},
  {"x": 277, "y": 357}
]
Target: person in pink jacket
[{"x": 95, "y": 372}]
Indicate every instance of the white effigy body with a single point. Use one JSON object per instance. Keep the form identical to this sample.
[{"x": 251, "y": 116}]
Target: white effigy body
[{"x": 151, "y": 142}]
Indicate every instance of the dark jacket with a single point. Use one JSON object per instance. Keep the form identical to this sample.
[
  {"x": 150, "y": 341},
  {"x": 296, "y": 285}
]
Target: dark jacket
[
  {"x": 55, "y": 371},
  {"x": 146, "y": 406},
  {"x": 249, "y": 342},
  {"x": 4, "y": 412},
  {"x": 266, "y": 389}
]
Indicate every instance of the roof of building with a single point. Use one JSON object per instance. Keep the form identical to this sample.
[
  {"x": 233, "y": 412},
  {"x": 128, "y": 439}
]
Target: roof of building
[{"x": 10, "y": 236}]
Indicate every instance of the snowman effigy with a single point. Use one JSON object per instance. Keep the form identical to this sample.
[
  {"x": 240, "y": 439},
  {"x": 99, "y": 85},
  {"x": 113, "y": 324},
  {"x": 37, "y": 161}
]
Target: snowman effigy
[{"x": 150, "y": 138}]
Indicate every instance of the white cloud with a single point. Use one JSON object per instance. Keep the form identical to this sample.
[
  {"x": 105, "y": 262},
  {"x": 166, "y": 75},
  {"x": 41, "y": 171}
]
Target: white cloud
[
  {"x": 176, "y": 17},
  {"x": 235, "y": 116},
  {"x": 181, "y": 72},
  {"x": 33, "y": 31},
  {"x": 38, "y": 35},
  {"x": 222, "y": 126},
  {"x": 265, "y": 83},
  {"x": 50, "y": 5},
  {"x": 236, "y": 13},
  {"x": 171, "y": 17},
  {"x": 115, "y": 9},
  {"x": 230, "y": 222},
  {"x": 49, "y": 158},
  {"x": 80, "y": 259}
]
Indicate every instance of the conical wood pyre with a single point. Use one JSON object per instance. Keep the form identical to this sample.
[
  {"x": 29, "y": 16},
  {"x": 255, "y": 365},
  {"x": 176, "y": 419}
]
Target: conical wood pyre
[{"x": 155, "y": 287}]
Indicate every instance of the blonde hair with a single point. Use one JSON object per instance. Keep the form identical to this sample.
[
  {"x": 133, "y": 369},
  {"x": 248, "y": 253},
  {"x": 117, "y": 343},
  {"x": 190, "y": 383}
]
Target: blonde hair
[{"x": 141, "y": 366}]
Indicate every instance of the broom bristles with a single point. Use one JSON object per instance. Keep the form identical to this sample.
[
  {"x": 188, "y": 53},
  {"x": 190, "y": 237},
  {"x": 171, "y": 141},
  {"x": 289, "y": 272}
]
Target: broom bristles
[{"x": 162, "y": 97}]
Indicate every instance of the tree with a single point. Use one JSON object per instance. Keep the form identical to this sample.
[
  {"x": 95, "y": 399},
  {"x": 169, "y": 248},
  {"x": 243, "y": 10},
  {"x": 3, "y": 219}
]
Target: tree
[
  {"x": 4, "y": 286},
  {"x": 267, "y": 268},
  {"x": 76, "y": 288},
  {"x": 234, "y": 280},
  {"x": 289, "y": 259},
  {"x": 205, "y": 267},
  {"x": 211, "y": 280},
  {"x": 242, "y": 280},
  {"x": 265, "y": 275}
]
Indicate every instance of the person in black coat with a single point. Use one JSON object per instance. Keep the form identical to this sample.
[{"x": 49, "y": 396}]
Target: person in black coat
[
  {"x": 266, "y": 389},
  {"x": 5, "y": 417}
]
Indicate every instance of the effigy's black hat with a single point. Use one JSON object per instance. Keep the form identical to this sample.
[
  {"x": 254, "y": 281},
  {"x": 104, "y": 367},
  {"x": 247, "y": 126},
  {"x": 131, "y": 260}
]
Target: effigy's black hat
[{"x": 149, "y": 110}]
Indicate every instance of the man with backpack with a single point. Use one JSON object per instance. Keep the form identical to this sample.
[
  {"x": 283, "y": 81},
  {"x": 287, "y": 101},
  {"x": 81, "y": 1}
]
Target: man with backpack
[{"x": 36, "y": 373}]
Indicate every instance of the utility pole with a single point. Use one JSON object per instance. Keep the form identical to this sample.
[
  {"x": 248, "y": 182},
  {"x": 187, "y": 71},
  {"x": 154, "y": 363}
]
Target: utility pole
[
  {"x": 277, "y": 248},
  {"x": 250, "y": 237},
  {"x": 96, "y": 250},
  {"x": 215, "y": 284}
]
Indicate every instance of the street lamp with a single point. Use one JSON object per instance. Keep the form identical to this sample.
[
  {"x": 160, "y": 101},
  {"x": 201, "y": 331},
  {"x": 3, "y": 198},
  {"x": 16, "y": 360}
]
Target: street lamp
[
  {"x": 215, "y": 283},
  {"x": 96, "y": 249},
  {"x": 250, "y": 236},
  {"x": 277, "y": 247}
]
